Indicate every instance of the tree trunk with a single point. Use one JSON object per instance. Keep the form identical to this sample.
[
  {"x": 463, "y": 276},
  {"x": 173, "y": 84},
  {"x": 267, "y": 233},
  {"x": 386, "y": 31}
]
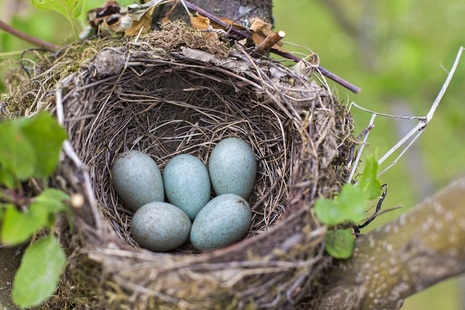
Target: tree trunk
[{"x": 236, "y": 10}]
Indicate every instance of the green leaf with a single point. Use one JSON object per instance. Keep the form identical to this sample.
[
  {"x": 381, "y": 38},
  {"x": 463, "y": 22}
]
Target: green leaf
[
  {"x": 18, "y": 227},
  {"x": 7, "y": 177},
  {"x": 17, "y": 158},
  {"x": 53, "y": 200},
  {"x": 68, "y": 8},
  {"x": 29, "y": 147},
  {"x": 348, "y": 206},
  {"x": 368, "y": 181},
  {"x": 37, "y": 277},
  {"x": 46, "y": 137},
  {"x": 340, "y": 243}
]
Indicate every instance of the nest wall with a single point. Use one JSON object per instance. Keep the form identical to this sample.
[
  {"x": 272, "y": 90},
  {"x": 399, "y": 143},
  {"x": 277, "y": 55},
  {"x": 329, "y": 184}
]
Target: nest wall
[{"x": 181, "y": 96}]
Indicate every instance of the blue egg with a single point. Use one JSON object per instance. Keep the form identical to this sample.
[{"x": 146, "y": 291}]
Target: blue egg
[
  {"x": 187, "y": 184},
  {"x": 160, "y": 226},
  {"x": 223, "y": 221},
  {"x": 137, "y": 179},
  {"x": 232, "y": 167}
]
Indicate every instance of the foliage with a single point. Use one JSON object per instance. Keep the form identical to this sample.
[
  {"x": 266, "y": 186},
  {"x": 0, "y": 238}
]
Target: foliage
[
  {"x": 70, "y": 9},
  {"x": 40, "y": 270},
  {"x": 348, "y": 206},
  {"x": 18, "y": 227},
  {"x": 340, "y": 243},
  {"x": 30, "y": 149}
]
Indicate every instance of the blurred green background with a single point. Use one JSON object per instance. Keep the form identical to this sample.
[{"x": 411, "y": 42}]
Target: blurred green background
[{"x": 397, "y": 51}]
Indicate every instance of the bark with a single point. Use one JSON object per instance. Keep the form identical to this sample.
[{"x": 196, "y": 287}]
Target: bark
[
  {"x": 419, "y": 249},
  {"x": 236, "y": 10}
]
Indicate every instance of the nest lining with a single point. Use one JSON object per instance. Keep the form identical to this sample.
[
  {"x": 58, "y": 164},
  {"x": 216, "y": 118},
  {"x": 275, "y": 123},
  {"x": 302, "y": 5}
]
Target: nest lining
[{"x": 167, "y": 98}]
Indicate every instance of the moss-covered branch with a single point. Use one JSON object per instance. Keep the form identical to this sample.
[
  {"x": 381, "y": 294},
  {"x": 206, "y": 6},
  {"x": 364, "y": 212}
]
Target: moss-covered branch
[{"x": 417, "y": 250}]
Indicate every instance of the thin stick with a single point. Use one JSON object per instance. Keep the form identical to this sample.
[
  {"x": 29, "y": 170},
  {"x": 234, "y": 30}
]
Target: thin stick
[
  {"x": 69, "y": 151},
  {"x": 407, "y": 117},
  {"x": 28, "y": 38},
  {"x": 360, "y": 151},
  {"x": 402, "y": 141},
  {"x": 419, "y": 128},
  {"x": 401, "y": 153},
  {"x": 444, "y": 87}
]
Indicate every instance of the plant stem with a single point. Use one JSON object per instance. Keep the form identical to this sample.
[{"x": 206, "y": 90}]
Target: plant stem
[{"x": 26, "y": 37}]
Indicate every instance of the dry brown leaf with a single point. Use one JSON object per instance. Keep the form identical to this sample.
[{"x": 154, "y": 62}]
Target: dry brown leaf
[
  {"x": 144, "y": 21},
  {"x": 260, "y": 31},
  {"x": 200, "y": 22},
  {"x": 260, "y": 27}
]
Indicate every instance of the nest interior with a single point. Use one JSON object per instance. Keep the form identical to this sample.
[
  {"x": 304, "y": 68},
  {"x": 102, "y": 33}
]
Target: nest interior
[{"x": 182, "y": 91}]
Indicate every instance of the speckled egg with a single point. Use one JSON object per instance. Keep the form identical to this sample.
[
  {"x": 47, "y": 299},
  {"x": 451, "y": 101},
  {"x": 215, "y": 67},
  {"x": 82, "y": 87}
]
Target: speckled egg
[
  {"x": 187, "y": 184},
  {"x": 223, "y": 221},
  {"x": 137, "y": 179},
  {"x": 232, "y": 167},
  {"x": 160, "y": 226}
]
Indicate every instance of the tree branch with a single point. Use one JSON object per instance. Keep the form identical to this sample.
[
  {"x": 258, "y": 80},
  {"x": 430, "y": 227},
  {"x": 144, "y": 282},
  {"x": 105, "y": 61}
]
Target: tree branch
[
  {"x": 341, "y": 17},
  {"x": 28, "y": 38},
  {"x": 419, "y": 249}
]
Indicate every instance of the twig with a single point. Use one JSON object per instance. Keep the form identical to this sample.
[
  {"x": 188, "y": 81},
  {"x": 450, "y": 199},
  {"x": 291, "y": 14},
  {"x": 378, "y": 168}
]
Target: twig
[
  {"x": 418, "y": 131},
  {"x": 269, "y": 42},
  {"x": 423, "y": 122},
  {"x": 70, "y": 152},
  {"x": 28, "y": 38},
  {"x": 359, "y": 153},
  {"x": 407, "y": 117}
]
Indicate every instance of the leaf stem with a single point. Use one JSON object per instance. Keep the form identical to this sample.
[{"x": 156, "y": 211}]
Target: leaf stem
[
  {"x": 27, "y": 38},
  {"x": 73, "y": 25}
]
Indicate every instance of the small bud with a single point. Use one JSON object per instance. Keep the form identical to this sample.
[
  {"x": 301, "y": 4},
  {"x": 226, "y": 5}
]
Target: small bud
[{"x": 77, "y": 200}]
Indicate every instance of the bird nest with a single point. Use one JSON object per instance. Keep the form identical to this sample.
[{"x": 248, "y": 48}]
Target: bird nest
[{"x": 177, "y": 91}]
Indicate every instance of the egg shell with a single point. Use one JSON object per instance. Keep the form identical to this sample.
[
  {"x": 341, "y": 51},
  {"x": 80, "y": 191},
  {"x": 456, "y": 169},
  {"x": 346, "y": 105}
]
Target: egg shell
[
  {"x": 160, "y": 226},
  {"x": 187, "y": 184},
  {"x": 223, "y": 221},
  {"x": 232, "y": 167},
  {"x": 137, "y": 179}
]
